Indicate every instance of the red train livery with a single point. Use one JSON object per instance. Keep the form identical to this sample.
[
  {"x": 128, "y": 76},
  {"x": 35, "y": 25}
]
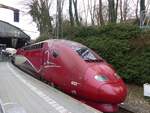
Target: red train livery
[{"x": 76, "y": 70}]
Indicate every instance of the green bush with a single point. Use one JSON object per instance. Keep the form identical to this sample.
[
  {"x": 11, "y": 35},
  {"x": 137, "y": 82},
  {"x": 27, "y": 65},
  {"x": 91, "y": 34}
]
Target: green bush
[
  {"x": 116, "y": 31},
  {"x": 113, "y": 43},
  {"x": 138, "y": 67},
  {"x": 119, "y": 31},
  {"x": 79, "y": 31}
]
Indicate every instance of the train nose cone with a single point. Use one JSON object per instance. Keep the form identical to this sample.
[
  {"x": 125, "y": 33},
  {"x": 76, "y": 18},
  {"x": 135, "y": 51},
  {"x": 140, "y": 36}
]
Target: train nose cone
[{"x": 113, "y": 93}]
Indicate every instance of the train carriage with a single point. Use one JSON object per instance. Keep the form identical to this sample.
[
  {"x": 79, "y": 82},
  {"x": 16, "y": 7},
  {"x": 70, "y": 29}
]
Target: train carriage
[{"x": 76, "y": 70}]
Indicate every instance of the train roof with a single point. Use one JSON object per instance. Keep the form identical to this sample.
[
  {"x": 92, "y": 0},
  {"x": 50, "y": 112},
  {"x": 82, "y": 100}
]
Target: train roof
[
  {"x": 71, "y": 44},
  {"x": 67, "y": 43}
]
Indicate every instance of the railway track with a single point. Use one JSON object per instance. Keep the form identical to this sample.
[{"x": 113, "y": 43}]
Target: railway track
[{"x": 124, "y": 110}]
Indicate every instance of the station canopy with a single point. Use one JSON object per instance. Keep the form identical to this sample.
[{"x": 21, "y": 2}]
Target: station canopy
[{"x": 12, "y": 36}]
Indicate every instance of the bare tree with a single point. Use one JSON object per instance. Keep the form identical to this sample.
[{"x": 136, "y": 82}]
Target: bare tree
[
  {"x": 59, "y": 21},
  {"x": 92, "y": 10},
  {"x": 76, "y": 12},
  {"x": 101, "y": 20},
  {"x": 85, "y": 12},
  {"x": 39, "y": 10},
  {"x": 111, "y": 10},
  {"x": 71, "y": 13},
  {"x": 121, "y": 11},
  {"x": 116, "y": 10},
  {"x": 142, "y": 7},
  {"x": 136, "y": 10},
  {"x": 125, "y": 9}
]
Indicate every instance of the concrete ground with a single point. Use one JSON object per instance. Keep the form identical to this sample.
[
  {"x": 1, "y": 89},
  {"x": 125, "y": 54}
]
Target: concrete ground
[{"x": 33, "y": 96}]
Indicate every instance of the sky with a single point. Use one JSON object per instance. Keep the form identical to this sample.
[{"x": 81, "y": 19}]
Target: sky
[{"x": 25, "y": 23}]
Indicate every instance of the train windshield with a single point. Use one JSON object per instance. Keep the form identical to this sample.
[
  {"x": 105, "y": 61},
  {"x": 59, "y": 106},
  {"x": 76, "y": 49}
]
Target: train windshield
[{"x": 88, "y": 55}]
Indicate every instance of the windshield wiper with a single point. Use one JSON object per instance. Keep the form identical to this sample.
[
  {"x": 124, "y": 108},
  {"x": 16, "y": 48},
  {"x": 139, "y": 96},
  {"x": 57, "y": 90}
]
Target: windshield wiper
[{"x": 93, "y": 60}]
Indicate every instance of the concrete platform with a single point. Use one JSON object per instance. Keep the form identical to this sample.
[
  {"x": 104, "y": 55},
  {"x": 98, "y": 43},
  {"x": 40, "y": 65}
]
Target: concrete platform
[{"x": 35, "y": 96}]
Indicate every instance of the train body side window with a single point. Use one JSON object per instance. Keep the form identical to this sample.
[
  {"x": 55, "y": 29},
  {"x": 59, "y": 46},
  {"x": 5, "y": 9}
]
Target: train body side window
[{"x": 33, "y": 47}]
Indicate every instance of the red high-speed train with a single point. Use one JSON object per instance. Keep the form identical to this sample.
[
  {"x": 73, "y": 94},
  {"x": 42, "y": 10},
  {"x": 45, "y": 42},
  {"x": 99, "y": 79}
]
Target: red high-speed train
[{"x": 76, "y": 70}]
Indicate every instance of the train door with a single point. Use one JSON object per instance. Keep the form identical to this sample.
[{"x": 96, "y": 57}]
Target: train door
[
  {"x": 47, "y": 70},
  {"x": 53, "y": 70},
  {"x": 76, "y": 81},
  {"x": 34, "y": 57},
  {"x": 54, "y": 67}
]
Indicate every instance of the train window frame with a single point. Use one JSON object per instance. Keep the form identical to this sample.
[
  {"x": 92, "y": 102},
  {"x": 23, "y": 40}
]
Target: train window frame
[
  {"x": 33, "y": 47},
  {"x": 90, "y": 57}
]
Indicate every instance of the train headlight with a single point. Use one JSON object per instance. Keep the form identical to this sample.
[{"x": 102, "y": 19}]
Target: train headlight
[{"x": 101, "y": 78}]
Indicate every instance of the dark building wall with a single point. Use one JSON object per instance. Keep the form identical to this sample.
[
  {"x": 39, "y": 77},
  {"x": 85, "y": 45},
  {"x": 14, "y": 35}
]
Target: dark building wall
[
  {"x": 6, "y": 41},
  {"x": 10, "y": 32}
]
